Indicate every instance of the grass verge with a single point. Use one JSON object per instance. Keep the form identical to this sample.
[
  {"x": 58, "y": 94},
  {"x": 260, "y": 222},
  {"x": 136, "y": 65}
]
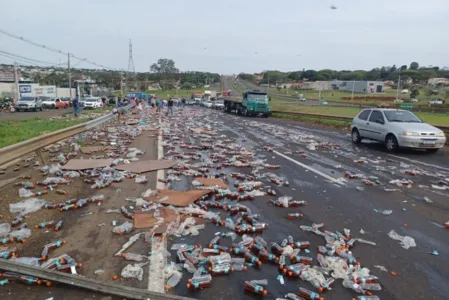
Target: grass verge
[
  {"x": 332, "y": 123},
  {"x": 434, "y": 119},
  {"x": 12, "y": 132}
]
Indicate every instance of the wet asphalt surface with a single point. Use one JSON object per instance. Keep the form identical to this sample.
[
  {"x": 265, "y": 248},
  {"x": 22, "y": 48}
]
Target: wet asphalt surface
[{"x": 352, "y": 205}]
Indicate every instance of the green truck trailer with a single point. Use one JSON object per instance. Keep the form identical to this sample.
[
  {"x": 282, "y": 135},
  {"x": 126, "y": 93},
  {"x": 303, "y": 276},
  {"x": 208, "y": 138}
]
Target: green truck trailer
[{"x": 252, "y": 103}]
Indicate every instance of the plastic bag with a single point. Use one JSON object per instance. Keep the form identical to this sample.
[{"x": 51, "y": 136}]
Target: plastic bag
[
  {"x": 134, "y": 256},
  {"x": 22, "y": 233},
  {"x": 406, "y": 241},
  {"x": 141, "y": 179},
  {"x": 55, "y": 168},
  {"x": 133, "y": 271},
  {"x": 27, "y": 206},
  {"x": 32, "y": 261},
  {"x": 25, "y": 193},
  {"x": 55, "y": 180},
  {"x": 149, "y": 193},
  {"x": 284, "y": 200},
  {"x": 5, "y": 228},
  {"x": 174, "y": 279},
  {"x": 124, "y": 228}
]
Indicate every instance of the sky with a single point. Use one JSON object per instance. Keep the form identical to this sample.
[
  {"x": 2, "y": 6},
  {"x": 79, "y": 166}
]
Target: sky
[{"x": 231, "y": 36}]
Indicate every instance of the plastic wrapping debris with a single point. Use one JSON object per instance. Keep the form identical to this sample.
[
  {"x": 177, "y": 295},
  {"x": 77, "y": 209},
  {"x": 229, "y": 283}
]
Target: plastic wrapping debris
[
  {"x": 113, "y": 211},
  {"x": 141, "y": 179},
  {"x": 133, "y": 271},
  {"x": 27, "y": 206},
  {"x": 22, "y": 233},
  {"x": 25, "y": 193},
  {"x": 174, "y": 280},
  {"x": 32, "y": 261},
  {"x": 133, "y": 256},
  {"x": 260, "y": 281},
  {"x": 406, "y": 241},
  {"x": 55, "y": 180},
  {"x": 382, "y": 268},
  {"x": 99, "y": 272},
  {"x": 5, "y": 228},
  {"x": 126, "y": 227}
]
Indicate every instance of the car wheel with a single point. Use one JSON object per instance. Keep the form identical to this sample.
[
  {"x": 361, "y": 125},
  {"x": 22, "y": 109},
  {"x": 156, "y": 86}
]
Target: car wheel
[
  {"x": 35, "y": 109},
  {"x": 355, "y": 135},
  {"x": 432, "y": 150},
  {"x": 40, "y": 108},
  {"x": 53, "y": 107},
  {"x": 245, "y": 112},
  {"x": 391, "y": 143}
]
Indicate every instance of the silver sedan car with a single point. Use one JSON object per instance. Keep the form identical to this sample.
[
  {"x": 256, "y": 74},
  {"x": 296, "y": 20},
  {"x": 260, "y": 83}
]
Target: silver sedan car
[{"x": 396, "y": 128}]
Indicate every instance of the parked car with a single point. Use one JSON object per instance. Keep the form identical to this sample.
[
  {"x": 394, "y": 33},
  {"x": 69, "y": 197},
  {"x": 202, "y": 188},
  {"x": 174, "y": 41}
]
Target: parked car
[
  {"x": 53, "y": 103},
  {"x": 67, "y": 100},
  {"x": 92, "y": 102},
  {"x": 396, "y": 128},
  {"x": 436, "y": 101},
  {"x": 208, "y": 104},
  {"x": 218, "y": 104},
  {"x": 190, "y": 102},
  {"x": 413, "y": 100},
  {"x": 29, "y": 103}
]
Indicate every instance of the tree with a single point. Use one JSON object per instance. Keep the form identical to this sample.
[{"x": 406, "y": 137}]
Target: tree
[
  {"x": 414, "y": 66},
  {"x": 431, "y": 92},
  {"x": 166, "y": 68},
  {"x": 446, "y": 94},
  {"x": 414, "y": 93},
  {"x": 403, "y": 68},
  {"x": 187, "y": 86}
]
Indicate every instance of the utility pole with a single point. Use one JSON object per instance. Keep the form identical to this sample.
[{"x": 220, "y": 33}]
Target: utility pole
[
  {"x": 399, "y": 83},
  {"x": 353, "y": 88},
  {"x": 70, "y": 76},
  {"x": 16, "y": 85},
  {"x": 121, "y": 84}
]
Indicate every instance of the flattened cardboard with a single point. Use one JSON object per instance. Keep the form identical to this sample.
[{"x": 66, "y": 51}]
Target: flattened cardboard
[
  {"x": 92, "y": 149},
  {"x": 147, "y": 219},
  {"x": 212, "y": 182},
  {"x": 143, "y": 166},
  {"x": 178, "y": 198},
  {"x": 84, "y": 164}
]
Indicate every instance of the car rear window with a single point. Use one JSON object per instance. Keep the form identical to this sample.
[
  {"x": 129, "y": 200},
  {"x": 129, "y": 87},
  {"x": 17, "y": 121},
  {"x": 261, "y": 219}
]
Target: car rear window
[{"x": 364, "y": 115}]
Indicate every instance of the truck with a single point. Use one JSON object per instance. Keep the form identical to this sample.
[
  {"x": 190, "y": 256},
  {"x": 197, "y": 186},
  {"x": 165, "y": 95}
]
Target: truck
[
  {"x": 197, "y": 96},
  {"x": 252, "y": 103},
  {"x": 209, "y": 95},
  {"x": 227, "y": 93}
]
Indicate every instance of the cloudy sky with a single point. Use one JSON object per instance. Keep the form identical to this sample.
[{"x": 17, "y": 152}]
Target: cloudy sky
[{"x": 231, "y": 36}]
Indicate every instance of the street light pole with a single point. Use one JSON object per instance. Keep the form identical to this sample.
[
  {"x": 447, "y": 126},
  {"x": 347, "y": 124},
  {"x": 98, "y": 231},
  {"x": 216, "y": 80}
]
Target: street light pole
[
  {"x": 70, "y": 76},
  {"x": 353, "y": 88}
]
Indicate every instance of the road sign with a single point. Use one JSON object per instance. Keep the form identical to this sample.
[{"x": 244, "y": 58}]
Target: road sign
[{"x": 407, "y": 106}]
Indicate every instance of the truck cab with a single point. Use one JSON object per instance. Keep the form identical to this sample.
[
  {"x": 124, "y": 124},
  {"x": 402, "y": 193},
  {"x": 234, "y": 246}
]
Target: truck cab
[{"x": 256, "y": 103}]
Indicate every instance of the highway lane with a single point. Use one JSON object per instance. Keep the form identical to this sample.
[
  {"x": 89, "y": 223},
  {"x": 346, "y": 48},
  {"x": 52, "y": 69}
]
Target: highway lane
[{"x": 309, "y": 157}]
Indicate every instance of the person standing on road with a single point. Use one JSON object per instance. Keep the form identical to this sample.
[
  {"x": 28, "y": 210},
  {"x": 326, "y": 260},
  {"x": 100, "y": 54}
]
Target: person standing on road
[
  {"x": 158, "y": 105},
  {"x": 76, "y": 109},
  {"x": 183, "y": 102},
  {"x": 170, "y": 107}
]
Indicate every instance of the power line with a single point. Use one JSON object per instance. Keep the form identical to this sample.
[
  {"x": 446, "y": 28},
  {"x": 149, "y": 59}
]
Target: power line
[
  {"x": 27, "y": 59},
  {"x": 51, "y": 49}
]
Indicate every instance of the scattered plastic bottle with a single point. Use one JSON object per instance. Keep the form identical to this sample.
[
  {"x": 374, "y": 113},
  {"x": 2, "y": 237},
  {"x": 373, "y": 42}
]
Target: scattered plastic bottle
[
  {"x": 349, "y": 284},
  {"x": 126, "y": 213},
  {"x": 366, "y": 298},
  {"x": 276, "y": 249},
  {"x": 7, "y": 254},
  {"x": 255, "y": 288},
  {"x": 265, "y": 256},
  {"x": 199, "y": 282},
  {"x": 49, "y": 224},
  {"x": 307, "y": 294},
  {"x": 252, "y": 259},
  {"x": 51, "y": 246},
  {"x": 301, "y": 245},
  {"x": 366, "y": 279},
  {"x": 58, "y": 225},
  {"x": 301, "y": 259}
]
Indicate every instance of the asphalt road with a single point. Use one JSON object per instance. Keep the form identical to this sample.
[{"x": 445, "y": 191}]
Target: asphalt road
[
  {"x": 352, "y": 205},
  {"x": 6, "y": 116}
]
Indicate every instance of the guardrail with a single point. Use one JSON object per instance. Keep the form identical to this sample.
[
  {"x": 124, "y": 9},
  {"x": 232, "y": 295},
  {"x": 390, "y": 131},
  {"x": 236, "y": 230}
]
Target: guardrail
[
  {"x": 13, "y": 152},
  {"x": 445, "y": 129},
  {"x": 86, "y": 283}
]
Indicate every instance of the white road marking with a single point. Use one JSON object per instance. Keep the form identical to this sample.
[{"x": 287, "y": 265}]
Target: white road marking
[
  {"x": 340, "y": 181},
  {"x": 158, "y": 260},
  {"x": 419, "y": 162}
]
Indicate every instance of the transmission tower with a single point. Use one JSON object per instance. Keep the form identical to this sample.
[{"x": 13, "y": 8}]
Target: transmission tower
[
  {"x": 131, "y": 70},
  {"x": 130, "y": 59}
]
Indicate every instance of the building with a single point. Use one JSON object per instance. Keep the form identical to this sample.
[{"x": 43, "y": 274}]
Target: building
[
  {"x": 369, "y": 87},
  {"x": 438, "y": 81}
]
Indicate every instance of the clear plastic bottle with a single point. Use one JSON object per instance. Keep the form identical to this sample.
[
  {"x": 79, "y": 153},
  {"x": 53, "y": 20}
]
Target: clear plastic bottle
[
  {"x": 349, "y": 284},
  {"x": 255, "y": 288},
  {"x": 306, "y": 294},
  {"x": 173, "y": 280},
  {"x": 371, "y": 286}
]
